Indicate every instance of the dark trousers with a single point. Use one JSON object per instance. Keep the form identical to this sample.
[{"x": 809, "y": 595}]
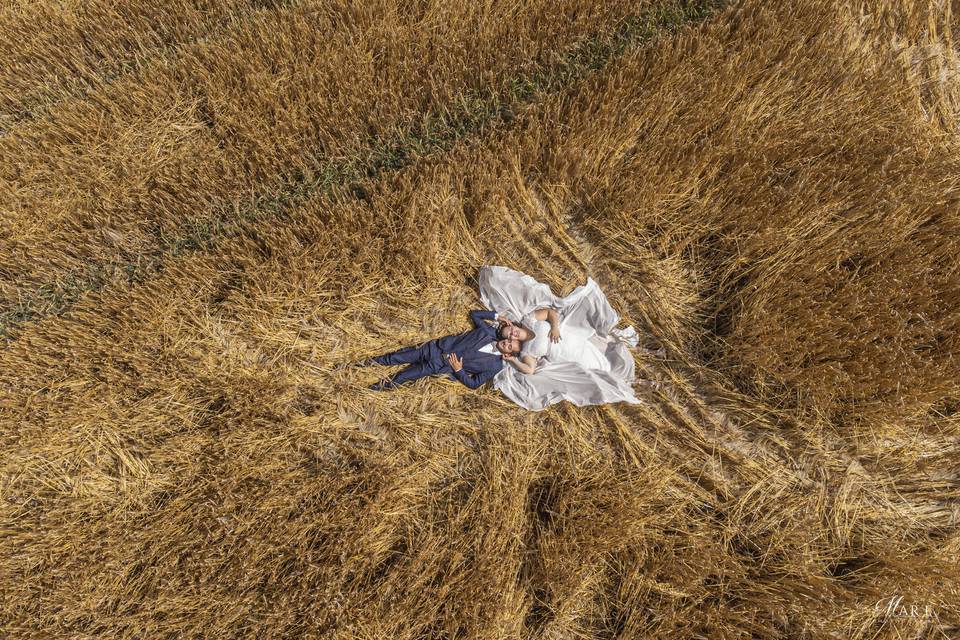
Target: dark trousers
[{"x": 424, "y": 360}]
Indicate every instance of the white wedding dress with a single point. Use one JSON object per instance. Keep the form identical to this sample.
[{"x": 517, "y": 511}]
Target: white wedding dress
[{"x": 591, "y": 364}]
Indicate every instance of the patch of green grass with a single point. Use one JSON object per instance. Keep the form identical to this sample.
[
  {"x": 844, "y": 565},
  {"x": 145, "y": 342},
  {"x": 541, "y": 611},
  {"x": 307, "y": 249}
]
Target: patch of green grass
[{"x": 470, "y": 114}]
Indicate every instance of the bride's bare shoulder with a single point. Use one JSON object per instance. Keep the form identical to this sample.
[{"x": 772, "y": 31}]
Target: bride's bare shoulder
[{"x": 542, "y": 314}]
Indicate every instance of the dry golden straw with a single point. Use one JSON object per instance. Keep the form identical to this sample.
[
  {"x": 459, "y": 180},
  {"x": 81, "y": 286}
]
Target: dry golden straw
[
  {"x": 161, "y": 149},
  {"x": 770, "y": 196}
]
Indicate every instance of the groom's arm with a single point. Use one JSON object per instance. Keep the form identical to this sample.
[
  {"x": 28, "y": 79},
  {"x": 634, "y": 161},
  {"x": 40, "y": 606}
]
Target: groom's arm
[
  {"x": 473, "y": 380},
  {"x": 479, "y": 316}
]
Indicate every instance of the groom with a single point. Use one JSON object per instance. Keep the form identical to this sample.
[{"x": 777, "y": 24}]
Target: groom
[{"x": 472, "y": 357}]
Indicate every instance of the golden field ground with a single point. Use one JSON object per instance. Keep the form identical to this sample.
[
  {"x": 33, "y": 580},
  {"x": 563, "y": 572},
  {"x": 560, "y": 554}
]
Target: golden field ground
[{"x": 207, "y": 206}]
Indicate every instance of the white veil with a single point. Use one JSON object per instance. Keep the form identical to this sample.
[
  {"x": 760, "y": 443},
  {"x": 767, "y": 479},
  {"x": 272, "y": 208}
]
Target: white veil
[{"x": 585, "y": 312}]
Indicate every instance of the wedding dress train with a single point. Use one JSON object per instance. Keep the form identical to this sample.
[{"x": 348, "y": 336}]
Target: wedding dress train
[{"x": 590, "y": 365}]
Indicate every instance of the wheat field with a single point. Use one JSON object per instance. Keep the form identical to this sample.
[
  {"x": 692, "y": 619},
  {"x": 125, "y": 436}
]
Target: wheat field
[{"x": 209, "y": 205}]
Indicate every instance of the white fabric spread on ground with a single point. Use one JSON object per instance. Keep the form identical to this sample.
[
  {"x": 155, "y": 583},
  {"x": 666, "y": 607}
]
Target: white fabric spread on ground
[{"x": 591, "y": 364}]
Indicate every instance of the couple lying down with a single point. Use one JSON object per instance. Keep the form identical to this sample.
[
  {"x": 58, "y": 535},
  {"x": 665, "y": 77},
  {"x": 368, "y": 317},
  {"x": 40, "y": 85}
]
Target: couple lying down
[{"x": 537, "y": 348}]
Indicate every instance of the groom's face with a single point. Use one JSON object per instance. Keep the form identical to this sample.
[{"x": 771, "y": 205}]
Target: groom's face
[{"x": 508, "y": 345}]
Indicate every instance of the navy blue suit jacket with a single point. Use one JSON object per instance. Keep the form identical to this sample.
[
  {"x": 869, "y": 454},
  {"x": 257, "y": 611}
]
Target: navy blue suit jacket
[{"x": 478, "y": 367}]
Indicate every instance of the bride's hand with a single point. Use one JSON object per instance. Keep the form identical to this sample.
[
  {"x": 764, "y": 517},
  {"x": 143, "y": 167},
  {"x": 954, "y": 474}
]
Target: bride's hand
[
  {"x": 555, "y": 334},
  {"x": 509, "y": 356}
]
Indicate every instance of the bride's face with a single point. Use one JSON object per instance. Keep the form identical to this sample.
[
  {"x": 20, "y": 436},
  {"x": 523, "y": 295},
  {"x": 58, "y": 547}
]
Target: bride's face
[{"x": 513, "y": 332}]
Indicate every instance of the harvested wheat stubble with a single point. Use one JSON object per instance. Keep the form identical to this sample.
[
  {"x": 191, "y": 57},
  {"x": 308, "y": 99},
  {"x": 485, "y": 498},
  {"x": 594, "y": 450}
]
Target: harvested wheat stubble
[
  {"x": 808, "y": 208},
  {"x": 83, "y": 46},
  {"x": 277, "y": 499},
  {"x": 437, "y": 133},
  {"x": 226, "y": 406},
  {"x": 629, "y": 219},
  {"x": 170, "y": 147},
  {"x": 120, "y": 466}
]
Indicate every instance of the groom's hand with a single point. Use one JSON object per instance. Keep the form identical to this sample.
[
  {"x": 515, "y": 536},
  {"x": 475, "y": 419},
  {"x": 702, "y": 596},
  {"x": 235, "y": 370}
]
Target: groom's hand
[{"x": 455, "y": 362}]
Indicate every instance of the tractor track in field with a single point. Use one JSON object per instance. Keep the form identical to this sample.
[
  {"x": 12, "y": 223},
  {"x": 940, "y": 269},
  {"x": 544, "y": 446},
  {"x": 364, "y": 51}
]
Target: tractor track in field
[{"x": 471, "y": 115}]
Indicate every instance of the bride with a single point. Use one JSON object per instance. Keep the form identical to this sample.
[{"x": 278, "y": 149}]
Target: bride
[{"x": 571, "y": 350}]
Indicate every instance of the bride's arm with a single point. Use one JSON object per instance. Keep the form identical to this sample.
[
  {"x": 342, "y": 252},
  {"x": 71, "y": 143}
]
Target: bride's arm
[
  {"x": 527, "y": 365},
  {"x": 551, "y": 316}
]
